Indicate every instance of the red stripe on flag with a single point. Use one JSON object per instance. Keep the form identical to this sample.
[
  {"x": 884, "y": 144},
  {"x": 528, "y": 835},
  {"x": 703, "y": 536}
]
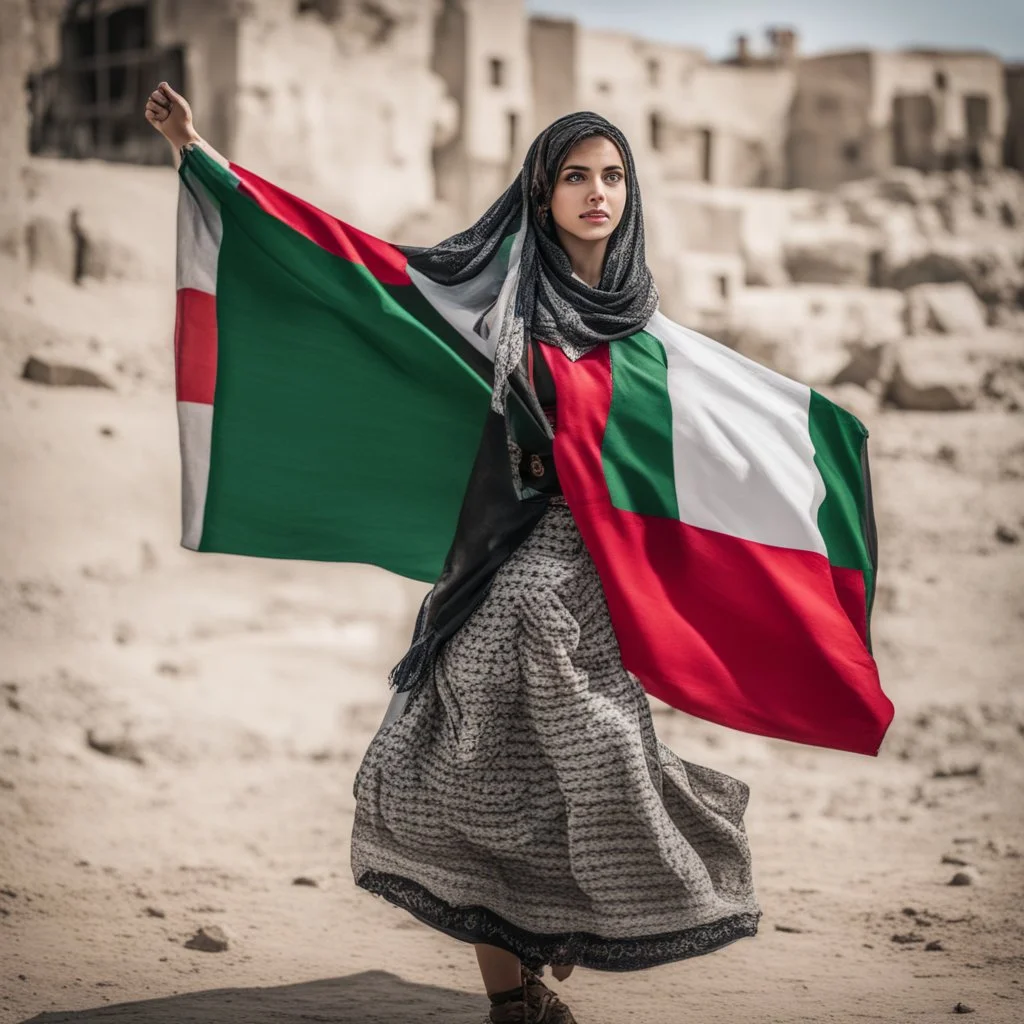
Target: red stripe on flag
[
  {"x": 382, "y": 260},
  {"x": 747, "y": 635},
  {"x": 195, "y": 346}
]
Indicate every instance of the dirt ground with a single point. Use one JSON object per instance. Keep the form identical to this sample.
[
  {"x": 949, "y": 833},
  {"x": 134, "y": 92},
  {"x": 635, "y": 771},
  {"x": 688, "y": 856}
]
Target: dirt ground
[{"x": 179, "y": 735}]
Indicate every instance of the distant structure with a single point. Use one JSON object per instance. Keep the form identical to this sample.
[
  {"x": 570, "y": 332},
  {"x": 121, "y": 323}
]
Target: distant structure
[
  {"x": 337, "y": 98},
  {"x": 862, "y": 112},
  {"x": 688, "y": 118},
  {"x": 393, "y": 105},
  {"x": 13, "y": 137},
  {"x": 480, "y": 52},
  {"x": 1013, "y": 147}
]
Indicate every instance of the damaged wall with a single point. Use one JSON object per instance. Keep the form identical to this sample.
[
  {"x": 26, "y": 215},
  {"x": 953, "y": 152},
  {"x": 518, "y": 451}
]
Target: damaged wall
[
  {"x": 13, "y": 126},
  {"x": 339, "y": 102}
]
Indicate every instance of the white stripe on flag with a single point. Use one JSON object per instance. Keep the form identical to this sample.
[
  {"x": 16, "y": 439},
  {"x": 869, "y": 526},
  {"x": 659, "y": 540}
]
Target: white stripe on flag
[
  {"x": 195, "y": 429},
  {"x": 199, "y": 234},
  {"x": 741, "y": 443}
]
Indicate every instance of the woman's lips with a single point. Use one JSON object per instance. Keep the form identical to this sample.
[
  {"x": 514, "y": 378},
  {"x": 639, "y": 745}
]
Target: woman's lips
[{"x": 597, "y": 215}]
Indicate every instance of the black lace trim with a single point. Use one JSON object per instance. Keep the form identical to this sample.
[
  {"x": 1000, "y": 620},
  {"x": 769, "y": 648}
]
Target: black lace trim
[{"x": 478, "y": 924}]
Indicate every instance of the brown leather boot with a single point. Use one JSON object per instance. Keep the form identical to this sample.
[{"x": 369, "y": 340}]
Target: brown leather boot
[
  {"x": 539, "y": 1005},
  {"x": 540, "y": 996}
]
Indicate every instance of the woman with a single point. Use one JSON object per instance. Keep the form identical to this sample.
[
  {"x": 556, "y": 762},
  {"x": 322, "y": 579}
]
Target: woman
[{"x": 516, "y": 796}]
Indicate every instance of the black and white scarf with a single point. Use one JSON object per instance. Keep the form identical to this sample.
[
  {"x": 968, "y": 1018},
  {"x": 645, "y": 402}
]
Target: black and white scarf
[{"x": 541, "y": 297}]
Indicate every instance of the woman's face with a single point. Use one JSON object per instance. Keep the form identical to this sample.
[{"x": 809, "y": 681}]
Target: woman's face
[{"x": 590, "y": 191}]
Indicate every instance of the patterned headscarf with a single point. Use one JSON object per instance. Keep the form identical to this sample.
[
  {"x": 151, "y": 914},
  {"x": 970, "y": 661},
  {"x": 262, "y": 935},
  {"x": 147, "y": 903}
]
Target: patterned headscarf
[{"x": 540, "y": 296}]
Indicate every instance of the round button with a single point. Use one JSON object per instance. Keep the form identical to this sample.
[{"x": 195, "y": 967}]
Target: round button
[{"x": 536, "y": 465}]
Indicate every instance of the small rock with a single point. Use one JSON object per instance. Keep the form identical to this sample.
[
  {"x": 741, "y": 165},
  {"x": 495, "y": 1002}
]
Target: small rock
[
  {"x": 155, "y": 912},
  {"x": 972, "y": 770},
  {"x": 306, "y": 880},
  {"x": 963, "y": 1008},
  {"x": 907, "y": 938},
  {"x": 211, "y": 939},
  {"x": 952, "y": 308},
  {"x": 926, "y": 379},
  {"x": 106, "y": 431},
  {"x": 966, "y": 877},
  {"x": 909, "y": 911},
  {"x": 124, "y": 633},
  {"x": 946, "y": 453},
  {"x": 955, "y": 861},
  {"x": 10, "y": 893},
  {"x": 933, "y": 945},
  {"x": 1007, "y": 534},
  {"x": 147, "y": 557},
  {"x": 61, "y": 374},
  {"x": 788, "y": 928},
  {"x": 120, "y": 745}
]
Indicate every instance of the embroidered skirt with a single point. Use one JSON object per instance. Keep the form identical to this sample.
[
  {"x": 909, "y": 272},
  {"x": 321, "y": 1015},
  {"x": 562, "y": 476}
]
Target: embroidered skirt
[{"x": 520, "y": 797}]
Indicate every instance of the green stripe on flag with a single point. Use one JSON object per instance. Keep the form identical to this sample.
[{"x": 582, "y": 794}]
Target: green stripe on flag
[
  {"x": 845, "y": 517},
  {"x": 637, "y": 446},
  {"x": 344, "y": 429}
]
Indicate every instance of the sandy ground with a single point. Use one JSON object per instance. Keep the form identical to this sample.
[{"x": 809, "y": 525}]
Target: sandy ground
[{"x": 234, "y": 698}]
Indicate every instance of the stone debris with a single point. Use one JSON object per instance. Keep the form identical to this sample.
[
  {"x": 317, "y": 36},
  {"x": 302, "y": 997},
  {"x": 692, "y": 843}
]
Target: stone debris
[
  {"x": 946, "y": 308},
  {"x": 1007, "y": 534},
  {"x": 209, "y": 939},
  {"x": 929, "y": 377},
  {"x": 969, "y": 876},
  {"x": 114, "y": 742},
  {"x": 42, "y": 371},
  {"x": 972, "y": 770}
]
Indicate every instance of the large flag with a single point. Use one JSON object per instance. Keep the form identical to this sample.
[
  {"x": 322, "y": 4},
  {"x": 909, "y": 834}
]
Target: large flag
[{"x": 330, "y": 402}]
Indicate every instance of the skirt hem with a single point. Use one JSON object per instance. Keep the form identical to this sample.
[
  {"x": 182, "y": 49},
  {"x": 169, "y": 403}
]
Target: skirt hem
[{"x": 584, "y": 949}]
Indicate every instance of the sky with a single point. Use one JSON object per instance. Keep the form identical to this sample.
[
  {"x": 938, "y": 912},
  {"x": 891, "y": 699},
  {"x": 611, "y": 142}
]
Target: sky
[{"x": 996, "y": 25}]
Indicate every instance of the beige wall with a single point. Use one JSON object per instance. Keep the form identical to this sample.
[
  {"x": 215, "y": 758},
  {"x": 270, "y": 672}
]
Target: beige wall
[
  {"x": 347, "y": 112},
  {"x": 495, "y": 123},
  {"x": 209, "y": 34},
  {"x": 554, "y": 60},
  {"x": 747, "y": 112},
  {"x": 672, "y": 96},
  {"x": 13, "y": 127},
  {"x": 830, "y": 138}
]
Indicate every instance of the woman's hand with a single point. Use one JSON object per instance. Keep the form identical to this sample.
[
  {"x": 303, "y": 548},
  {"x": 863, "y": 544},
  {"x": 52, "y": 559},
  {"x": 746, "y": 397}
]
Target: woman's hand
[{"x": 169, "y": 113}]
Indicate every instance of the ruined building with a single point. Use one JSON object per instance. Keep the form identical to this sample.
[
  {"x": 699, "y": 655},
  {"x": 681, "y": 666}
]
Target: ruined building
[
  {"x": 387, "y": 106},
  {"x": 336, "y": 99},
  {"x": 859, "y": 113},
  {"x": 687, "y": 118}
]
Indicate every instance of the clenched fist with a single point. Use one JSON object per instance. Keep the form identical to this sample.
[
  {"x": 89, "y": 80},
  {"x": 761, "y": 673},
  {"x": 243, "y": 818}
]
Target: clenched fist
[{"x": 169, "y": 113}]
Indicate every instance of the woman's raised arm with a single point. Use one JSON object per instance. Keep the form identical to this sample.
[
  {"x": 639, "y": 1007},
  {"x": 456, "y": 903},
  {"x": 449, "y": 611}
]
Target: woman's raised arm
[{"x": 169, "y": 113}]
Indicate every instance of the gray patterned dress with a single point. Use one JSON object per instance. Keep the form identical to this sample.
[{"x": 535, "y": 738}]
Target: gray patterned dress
[{"x": 520, "y": 797}]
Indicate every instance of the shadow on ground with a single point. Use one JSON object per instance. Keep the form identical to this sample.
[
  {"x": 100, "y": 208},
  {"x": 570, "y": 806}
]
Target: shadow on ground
[{"x": 372, "y": 997}]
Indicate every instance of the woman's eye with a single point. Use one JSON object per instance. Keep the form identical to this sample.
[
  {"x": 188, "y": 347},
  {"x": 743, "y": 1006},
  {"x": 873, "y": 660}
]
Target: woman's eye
[
  {"x": 614, "y": 176},
  {"x": 574, "y": 176}
]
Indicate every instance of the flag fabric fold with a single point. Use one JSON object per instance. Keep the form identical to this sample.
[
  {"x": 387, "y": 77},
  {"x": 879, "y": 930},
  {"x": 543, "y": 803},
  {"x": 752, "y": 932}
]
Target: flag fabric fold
[{"x": 330, "y": 403}]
